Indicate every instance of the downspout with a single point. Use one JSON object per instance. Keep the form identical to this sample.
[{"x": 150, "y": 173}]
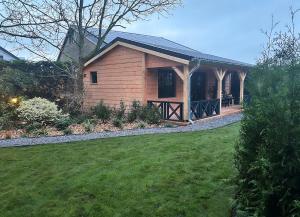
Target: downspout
[{"x": 190, "y": 90}]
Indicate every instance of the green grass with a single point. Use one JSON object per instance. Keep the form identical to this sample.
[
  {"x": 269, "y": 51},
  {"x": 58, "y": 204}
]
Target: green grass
[{"x": 174, "y": 175}]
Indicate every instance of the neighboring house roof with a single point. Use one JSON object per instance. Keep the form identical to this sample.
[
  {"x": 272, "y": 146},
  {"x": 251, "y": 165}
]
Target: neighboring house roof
[
  {"x": 8, "y": 53},
  {"x": 160, "y": 44}
]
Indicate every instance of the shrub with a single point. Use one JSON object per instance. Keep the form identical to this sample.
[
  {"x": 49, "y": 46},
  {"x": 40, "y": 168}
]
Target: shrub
[
  {"x": 267, "y": 154},
  {"x": 102, "y": 111},
  {"x": 151, "y": 115},
  {"x": 39, "y": 132},
  {"x": 117, "y": 122},
  {"x": 134, "y": 112},
  {"x": 39, "y": 110},
  {"x": 81, "y": 118},
  {"x": 63, "y": 123},
  {"x": 88, "y": 125},
  {"x": 120, "y": 112},
  {"x": 33, "y": 127},
  {"x": 8, "y": 116},
  {"x": 67, "y": 131},
  {"x": 142, "y": 125}
]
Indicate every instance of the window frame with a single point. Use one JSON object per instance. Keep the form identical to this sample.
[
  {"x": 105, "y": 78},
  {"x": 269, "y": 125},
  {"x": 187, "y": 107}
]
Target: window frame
[
  {"x": 166, "y": 83},
  {"x": 94, "y": 73}
]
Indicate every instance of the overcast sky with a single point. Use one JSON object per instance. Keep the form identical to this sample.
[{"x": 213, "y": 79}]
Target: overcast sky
[{"x": 227, "y": 28}]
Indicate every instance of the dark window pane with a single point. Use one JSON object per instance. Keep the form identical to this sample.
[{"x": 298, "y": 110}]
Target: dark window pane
[
  {"x": 94, "y": 78},
  {"x": 166, "y": 84}
]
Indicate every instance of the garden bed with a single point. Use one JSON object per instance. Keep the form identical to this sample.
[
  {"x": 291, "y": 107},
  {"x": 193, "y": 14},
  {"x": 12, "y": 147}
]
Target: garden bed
[
  {"x": 38, "y": 117},
  {"x": 78, "y": 129}
]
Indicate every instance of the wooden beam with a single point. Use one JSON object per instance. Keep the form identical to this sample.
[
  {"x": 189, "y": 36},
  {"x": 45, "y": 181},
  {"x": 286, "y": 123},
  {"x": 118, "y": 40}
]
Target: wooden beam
[
  {"x": 242, "y": 76},
  {"x": 220, "y": 73},
  {"x": 186, "y": 94},
  {"x": 179, "y": 72}
]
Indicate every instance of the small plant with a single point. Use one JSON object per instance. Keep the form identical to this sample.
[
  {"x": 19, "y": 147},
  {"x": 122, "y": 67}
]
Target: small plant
[
  {"x": 118, "y": 123},
  {"x": 67, "y": 131},
  {"x": 102, "y": 111},
  {"x": 88, "y": 125},
  {"x": 81, "y": 118},
  {"x": 33, "y": 127},
  {"x": 151, "y": 115},
  {"x": 39, "y": 132},
  {"x": 39, "y": 110},
  {"x": 134, "y": 112},
  {"x": 120, "y": 112},
  {"x": 142, "y": 125},
  {"x": 63, "y": 123}
]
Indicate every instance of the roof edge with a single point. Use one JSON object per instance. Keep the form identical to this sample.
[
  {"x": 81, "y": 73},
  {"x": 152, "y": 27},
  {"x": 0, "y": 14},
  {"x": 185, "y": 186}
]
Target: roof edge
[
  {"x": 6, "y": 51},
  {"x": 184, "y": 59}
]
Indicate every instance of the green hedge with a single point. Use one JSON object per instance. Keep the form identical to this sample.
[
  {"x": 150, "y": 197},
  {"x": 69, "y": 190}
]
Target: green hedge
[{"x": 268, "y": 153}]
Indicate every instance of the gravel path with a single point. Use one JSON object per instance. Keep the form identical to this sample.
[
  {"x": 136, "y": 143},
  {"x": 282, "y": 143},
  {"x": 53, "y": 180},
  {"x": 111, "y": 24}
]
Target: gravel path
[{"x": 197, "y": 126}]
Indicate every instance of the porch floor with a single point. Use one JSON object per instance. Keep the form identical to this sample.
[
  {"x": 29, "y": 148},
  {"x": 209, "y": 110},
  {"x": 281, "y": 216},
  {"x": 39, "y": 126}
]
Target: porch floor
[
  {"x": 226, "y": 112},
  {"x": 231, "y": 110}
]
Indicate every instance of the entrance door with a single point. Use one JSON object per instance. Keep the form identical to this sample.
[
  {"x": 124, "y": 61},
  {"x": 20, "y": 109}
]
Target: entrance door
[{"x": 198, "y": 81}]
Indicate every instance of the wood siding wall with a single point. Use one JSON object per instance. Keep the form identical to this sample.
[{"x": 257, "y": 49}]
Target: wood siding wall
[
  {"x": 158, "y": 62},
  {"x": 124, "y": 74},
  {"x": 120, "y": 77}
]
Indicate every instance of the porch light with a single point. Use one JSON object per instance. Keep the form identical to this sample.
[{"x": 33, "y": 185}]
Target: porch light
[{"x": 14, "y": 100}]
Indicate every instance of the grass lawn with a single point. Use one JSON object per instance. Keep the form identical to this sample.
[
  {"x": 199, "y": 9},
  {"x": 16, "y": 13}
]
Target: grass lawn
[{"x": 174, "y": 175}]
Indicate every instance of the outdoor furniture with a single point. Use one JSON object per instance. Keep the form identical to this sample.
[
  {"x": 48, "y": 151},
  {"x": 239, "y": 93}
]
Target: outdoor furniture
[{"x": 227, "y": 100}]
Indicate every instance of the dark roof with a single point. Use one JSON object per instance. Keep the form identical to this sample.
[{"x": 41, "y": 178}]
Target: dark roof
[
  {"x": 9, "y": 53},
  {"x": 162, "y": 45}
]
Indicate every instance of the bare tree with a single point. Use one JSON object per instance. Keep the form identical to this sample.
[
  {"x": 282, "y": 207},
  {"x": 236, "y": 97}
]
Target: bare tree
[
  {"x": 282, "y": 47},
  {"x": 39, "y": 26}
]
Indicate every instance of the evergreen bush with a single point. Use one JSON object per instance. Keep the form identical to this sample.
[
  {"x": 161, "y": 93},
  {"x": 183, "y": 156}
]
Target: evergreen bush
[
  {"x": 267, "y": 154},
  {"x": 102, "y": 111},
  {"x": 39, "y": 110}
]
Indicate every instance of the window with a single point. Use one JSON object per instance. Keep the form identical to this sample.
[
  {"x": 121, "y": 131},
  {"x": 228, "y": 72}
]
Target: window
[
  {"x": 166, "y": 84},
  {"x": 94, "y": 78},
  {"x": 1, "y": 57}
]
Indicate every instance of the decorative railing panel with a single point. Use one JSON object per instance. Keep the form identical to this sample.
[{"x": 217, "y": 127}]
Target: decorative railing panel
[
  {"x": 169, "y": 110},
  {"x": 205, "y": 108}
]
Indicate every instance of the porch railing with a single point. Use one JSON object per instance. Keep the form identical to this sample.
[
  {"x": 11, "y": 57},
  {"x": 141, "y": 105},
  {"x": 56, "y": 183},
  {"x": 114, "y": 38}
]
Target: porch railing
[
  {"x": 169, "y": 110},
  {"x": 205, "y": 108}
]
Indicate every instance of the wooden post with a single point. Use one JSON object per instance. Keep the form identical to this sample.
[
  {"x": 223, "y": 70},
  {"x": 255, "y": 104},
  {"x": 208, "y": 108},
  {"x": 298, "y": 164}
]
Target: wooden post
[
  {"x": 184, "y": 76},
  {"x": 242, "y": 76},
  {"x": 219, "y": 73},
  {"x": 186, "y": 94}
]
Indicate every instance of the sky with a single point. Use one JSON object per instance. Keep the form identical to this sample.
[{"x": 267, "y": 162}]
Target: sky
[{"x": 226, "y": 28}]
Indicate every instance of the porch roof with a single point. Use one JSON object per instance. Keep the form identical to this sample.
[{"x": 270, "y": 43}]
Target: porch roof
[{"x": 162, "y": 45}]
